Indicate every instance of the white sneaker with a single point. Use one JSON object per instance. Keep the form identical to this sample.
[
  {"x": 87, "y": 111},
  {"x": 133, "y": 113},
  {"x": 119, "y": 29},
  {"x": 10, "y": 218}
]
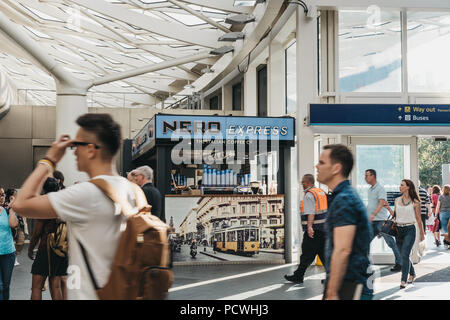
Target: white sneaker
[{"x": 16, "y": 263}]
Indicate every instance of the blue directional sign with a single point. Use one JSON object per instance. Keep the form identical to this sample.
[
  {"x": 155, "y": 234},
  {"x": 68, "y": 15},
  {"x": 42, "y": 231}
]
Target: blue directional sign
[{"x": 379, "y": 115}]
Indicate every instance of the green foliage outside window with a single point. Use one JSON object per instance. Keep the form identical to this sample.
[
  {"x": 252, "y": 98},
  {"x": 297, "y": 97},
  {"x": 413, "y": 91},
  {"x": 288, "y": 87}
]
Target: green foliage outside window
[{"x": 432, "y": 155}]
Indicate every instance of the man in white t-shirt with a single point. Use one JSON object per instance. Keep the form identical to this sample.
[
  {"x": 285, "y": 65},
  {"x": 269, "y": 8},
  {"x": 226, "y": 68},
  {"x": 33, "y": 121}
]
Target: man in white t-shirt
[{"x": 92, "y": 219}]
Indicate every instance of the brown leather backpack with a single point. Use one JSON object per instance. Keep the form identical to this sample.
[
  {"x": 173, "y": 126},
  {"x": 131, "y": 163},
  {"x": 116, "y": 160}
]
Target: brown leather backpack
[{"x": 140, "y": 269}]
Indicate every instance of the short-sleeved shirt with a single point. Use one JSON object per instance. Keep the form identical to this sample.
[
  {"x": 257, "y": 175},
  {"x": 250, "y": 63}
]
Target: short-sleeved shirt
[
  {"x": 6, "y": 238},
  {"x": 309, "y": 203},
  {"x": 375, "y": 194},
  {"x": 424, "y": 200},
  {"x": 94, "y": 220},
  {"x": 434, "y": 201},
  {"x": 445, "y": 203},
  {"x": 309, "y": 207},
  {"x": 346, "y": 208}
]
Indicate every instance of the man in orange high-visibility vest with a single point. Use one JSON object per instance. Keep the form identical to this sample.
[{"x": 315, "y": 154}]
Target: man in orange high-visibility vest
[{"x": 313, "y": 210}]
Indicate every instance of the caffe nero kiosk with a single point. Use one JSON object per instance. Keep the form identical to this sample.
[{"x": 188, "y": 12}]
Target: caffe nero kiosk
[{"x": 222, "y": 178}]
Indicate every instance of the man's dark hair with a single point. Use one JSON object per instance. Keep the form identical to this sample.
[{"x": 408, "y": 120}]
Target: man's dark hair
[
  {"x": 309, "y": 177},
  {"x": 341, "y": 154},
  {"x": 59, "y": 176},
  {"x": 8, "y": 194},
  {"x": 372, "y": 172},
  {"x": 105, "y": 128},
  {"x": 50, "y": 185}
]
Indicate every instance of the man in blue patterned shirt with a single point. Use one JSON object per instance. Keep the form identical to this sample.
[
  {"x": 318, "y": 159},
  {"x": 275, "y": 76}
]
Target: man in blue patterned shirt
[{"x": 348, "y": 229}]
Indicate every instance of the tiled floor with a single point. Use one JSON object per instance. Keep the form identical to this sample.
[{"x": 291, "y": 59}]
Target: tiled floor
[{"x": 265, "y": 282}]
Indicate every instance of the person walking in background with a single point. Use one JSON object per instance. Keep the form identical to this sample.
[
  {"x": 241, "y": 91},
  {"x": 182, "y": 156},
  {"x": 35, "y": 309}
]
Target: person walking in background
[
  {"x": 425, "y": 206},
  {"x": 60, "y": 177},
  {"x": 407, "y": 213},
  {"x": 18, "y": 232},
  {"x": 347, "y": 227},
  {"x": 143, "y": 176},
  {"x": 47, "y": 263},
  {"x": 378, "y": 214},
  {"x": 313, "y": 210},
  {"x": 8, "y": 220},
  {"x": 436, "y": 193},
  {"x": 443, "y": 209}
]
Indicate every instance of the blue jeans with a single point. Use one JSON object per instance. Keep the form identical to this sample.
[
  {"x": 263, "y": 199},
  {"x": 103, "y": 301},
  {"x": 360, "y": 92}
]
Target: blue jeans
[
  {"x": 376, "y": 227},
  {"x": 405, "y": 242},
  {"x": 6, "y": 268},
  {"x": 444, "y": 216}
]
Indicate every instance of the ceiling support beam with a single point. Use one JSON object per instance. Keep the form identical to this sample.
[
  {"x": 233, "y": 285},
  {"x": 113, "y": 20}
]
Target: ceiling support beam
[
  {"x": 252, "y": 38},
  {"x": 151, "y": 68},
  {"x": 199, "y": 15},
  {"x": 19, "y": 37}
]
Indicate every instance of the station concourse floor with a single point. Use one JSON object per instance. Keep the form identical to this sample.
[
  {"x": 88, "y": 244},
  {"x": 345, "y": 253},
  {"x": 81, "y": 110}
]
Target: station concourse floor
[{"x": 266, "y": 281}]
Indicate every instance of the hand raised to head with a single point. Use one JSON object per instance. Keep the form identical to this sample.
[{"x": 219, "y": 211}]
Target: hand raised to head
[{"x": 58, "y": 148}]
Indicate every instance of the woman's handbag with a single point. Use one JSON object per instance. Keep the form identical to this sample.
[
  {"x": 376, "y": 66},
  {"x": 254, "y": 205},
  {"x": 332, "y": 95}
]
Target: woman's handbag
[
  {"x": 436, "y": 224},
  {"x": 389, "y": 227}
]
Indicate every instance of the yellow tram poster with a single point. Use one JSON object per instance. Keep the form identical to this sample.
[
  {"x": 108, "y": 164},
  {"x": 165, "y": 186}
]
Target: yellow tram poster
[{"x": 226, "y": 227}]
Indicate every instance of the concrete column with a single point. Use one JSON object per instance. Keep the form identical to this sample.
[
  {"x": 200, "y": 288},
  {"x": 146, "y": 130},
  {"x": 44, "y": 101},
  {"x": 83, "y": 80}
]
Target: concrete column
[
  {"x": 70, "y": 104},
  {"x": 250, "y": 92},
  {"x": 227, "y": 98},
  {"x": 289, "y": 208},
  {"x": 307, "y": 91},
  {"x": 275, "y": 79}
]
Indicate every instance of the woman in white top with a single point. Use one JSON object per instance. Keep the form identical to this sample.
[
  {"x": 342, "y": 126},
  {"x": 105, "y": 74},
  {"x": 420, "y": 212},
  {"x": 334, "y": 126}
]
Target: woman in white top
[{"x": 407, "y": 213}]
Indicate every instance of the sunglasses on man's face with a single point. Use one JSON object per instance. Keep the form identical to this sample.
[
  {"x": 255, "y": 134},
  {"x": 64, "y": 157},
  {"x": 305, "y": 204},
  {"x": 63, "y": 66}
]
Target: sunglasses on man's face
[{"x": 75, "y": 144}]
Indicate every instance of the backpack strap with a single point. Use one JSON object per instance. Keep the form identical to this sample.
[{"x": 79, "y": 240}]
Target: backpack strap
[
  {"x": 127, "y": 209},
  {"x": 91, "y": 273}
]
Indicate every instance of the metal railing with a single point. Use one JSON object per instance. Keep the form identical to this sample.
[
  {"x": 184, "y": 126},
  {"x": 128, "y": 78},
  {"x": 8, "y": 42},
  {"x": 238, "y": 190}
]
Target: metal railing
[{"x": 192, "y": 102}]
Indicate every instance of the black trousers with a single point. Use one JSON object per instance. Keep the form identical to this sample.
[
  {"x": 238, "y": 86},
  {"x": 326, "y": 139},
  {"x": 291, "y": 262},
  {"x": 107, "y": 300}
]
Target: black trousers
[
  {"x": 310, "y": 248},
  {"x": 424, "y": 221}
]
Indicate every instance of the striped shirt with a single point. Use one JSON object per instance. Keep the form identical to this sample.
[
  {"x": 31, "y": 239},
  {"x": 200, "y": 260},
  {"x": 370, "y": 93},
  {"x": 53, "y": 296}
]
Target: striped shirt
[{"x": 424, "y": 200}]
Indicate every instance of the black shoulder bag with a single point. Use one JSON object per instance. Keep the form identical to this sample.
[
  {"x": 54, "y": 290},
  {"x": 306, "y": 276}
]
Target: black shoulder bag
[{"x": 389, "y": 226}]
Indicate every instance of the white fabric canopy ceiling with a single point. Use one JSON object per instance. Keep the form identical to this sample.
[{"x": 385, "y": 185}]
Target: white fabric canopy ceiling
[{"x": 95, "y": 38}]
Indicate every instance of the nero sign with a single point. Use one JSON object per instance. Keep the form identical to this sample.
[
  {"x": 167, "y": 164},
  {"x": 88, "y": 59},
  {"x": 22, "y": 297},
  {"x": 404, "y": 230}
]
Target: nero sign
[
  {"x": 226, "y": 127},
  {"x": 190, "y": 126},
  {"x": 257, "y": 130},
  {"x": 164, "y": 129}
]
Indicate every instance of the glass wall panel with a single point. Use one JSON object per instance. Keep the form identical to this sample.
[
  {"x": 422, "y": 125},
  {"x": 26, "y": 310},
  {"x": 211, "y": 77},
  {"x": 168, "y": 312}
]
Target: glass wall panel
[
  {"x": 291, "y": 78},
  {"x": 237, "y": 96},
  {"x": 428, "y": 46},
  {"x": 262, "y": 91},
  {"x": 387, "y": 160},
  {"x": 369, "y": 51},
  {"x": 391, "y": 162}
]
